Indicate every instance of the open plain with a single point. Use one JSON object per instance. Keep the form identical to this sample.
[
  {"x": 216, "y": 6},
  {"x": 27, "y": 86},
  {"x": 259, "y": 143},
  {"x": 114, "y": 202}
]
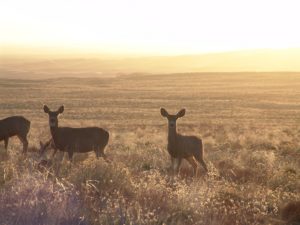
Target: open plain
[{"x": 249, "y": 124}]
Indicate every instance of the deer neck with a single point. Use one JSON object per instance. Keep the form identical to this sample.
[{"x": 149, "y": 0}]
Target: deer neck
[
  {"x": 54, "y": 132},
  {"x": 172, "y": 135}
]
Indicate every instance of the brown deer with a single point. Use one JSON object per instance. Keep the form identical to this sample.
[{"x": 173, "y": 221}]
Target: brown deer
[
  {"x": 44, "y": 146},
  {"x": 183, "y": 147},
  {"x": 68, "y": 139},
  {"x": 15, "y": 126}
]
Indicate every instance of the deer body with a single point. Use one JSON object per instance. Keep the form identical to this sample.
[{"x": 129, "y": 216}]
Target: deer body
[
  {"x": 15, "y": 126},
  {"x": 180, "y": 146},
  {"x": 79, "y": 139},
  {"x": 68, "y": 139},
  {"x": 183, "y": 147}
]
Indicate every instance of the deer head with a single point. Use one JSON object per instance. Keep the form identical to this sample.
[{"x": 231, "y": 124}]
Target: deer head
[
  {"x": 53, "y": 115},
  {"x": 43, "y": 148},
  {"x": 172, "y": 118}
]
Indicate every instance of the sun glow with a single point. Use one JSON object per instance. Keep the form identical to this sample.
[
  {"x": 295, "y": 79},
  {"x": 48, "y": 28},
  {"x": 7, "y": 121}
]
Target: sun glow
[{"x": 160, "y": 27}]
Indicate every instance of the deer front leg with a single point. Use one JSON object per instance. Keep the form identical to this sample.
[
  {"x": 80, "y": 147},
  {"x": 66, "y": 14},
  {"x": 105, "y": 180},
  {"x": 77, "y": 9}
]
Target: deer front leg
[
  {"x": 52, "y": 144},
  {"x": 70, "y": 153},
  {"x": 5, "y": 142},
  {"x": 175, "y": 165},
  {"x": 105, "y": 158},
  {"x": 100, "y": 153},
  {"x": 97, "y": 152},
  {"x": 54, "y": 152}
]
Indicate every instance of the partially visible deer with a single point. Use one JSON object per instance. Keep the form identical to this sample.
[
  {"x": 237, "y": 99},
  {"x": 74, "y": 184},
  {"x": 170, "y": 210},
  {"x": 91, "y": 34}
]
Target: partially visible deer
[
  {"x": 183, "y": 147},
  {"x": 69, "y": 139},
  {"x": 48, "y": 165},
  {"x": 15, "y": 126},
  {"x": 44, "y": 146}
]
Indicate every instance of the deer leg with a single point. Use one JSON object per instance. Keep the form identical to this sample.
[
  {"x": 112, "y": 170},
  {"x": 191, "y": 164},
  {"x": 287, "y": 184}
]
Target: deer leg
[
  {"x": 100, "y": 153},
  {"x": 97, "y": 152},
  {"x": 25, "y": 143},
  {"x": 194, "y": 164},
  {"x": 51, "y": 142},
  {"x": 54, "y": 152},
  {"x": 105, "y": 158},
  {"x": 61, "y": 155},
  {"x": 199, "y": 158},
  {"x": 57, "y": 163},
  {"x": 175, "y": 165},
  {"x": 25, "y": 146},
  {"x": 70, "y": 153},
  {"x": 201, "y": 161},
  {"x": 6, "y": 143}
]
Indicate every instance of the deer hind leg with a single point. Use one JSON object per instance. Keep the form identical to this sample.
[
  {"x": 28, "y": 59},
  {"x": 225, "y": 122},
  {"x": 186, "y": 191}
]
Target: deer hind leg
[
  {"x": 23, "y": 139},
  {"x": 194, "y": 164},
  {"x": 6, "y": 142},
  {"x": 176, "y": 165},
  {"x": 201, "y": 161}
]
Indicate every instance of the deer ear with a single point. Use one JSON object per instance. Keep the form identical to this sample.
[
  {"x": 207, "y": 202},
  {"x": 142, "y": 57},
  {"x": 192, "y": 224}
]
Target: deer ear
[
  {"x": 164, "y": 112},
  {"x": 181, "y": 113},
  {"x": 61, "y": 109},
  {"x": 46, "y": 109}
]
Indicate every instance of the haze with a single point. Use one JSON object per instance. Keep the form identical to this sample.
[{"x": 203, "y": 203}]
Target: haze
[
  {"x": 149, "y": 27},
  {"x": 147, "y": 36}
]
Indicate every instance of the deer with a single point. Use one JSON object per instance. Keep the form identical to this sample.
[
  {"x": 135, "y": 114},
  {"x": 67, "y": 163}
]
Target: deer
[
  {"x": 70, "y": 140},
  {"x": 15, "y": 126},
  {"x": 181, "y": 147},
  {"x": 45, "y": 146},
  {"x": 46, "y": 165}
]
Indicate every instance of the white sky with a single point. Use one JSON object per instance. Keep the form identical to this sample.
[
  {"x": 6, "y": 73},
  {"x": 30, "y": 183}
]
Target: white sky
[{"x": 152, "y": 26}]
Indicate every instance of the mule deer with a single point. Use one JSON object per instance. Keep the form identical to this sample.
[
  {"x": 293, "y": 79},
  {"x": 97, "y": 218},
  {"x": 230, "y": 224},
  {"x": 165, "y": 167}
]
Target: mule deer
[
  {"x": 68, "y": 139},
  {"x": 15, "y": 126},
  {"x": 183, "y": 147},
  {"x": 43, "y": 147}
]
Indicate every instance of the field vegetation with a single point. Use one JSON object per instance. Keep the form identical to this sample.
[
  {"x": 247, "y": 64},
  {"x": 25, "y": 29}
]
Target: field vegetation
[{"x": 249, "y": 123}]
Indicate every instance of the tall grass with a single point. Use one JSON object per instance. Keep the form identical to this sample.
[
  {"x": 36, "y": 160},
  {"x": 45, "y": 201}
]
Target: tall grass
[{"x": 251, "y": 141}]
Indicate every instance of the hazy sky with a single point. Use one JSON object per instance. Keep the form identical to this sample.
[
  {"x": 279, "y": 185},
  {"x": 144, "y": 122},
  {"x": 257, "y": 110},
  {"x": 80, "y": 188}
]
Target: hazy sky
[{"x": 152, "y": 26}]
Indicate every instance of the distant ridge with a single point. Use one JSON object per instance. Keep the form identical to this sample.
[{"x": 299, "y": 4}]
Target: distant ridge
[{"x": 265, "y": 60}]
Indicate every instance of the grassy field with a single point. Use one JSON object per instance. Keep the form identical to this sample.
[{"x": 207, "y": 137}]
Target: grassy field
[{"x": 249, "y": 123}]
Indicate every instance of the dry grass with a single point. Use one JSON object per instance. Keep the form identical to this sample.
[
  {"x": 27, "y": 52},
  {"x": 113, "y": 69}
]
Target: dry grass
[{"x": 249, "y": 124}]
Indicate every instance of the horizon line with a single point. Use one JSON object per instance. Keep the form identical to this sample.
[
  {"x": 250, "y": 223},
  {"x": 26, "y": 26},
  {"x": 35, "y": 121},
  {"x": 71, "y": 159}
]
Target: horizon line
[{"x": 16, "y": 50}]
